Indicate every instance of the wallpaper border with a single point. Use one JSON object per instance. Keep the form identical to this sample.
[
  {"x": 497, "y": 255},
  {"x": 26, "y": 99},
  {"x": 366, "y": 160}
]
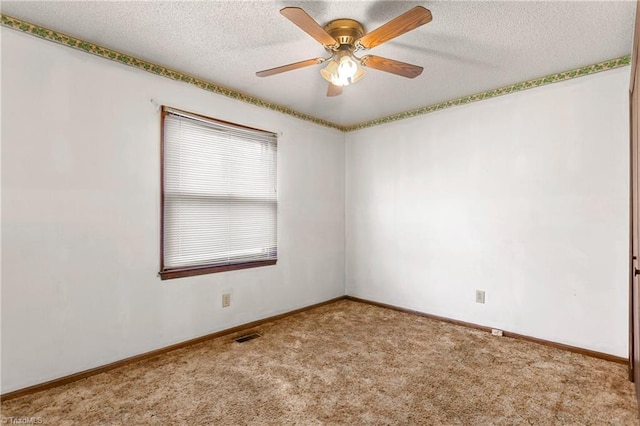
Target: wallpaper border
[
  {"x": 513, "y": 88},
  {"x": 75, "y": 43},
  {"x": 66, "y": 40}
]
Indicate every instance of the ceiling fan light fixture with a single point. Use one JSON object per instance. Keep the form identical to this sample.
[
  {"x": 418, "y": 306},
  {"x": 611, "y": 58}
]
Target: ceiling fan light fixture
[
  {"x": 343, "y": 72},
  {"x": 330, "y": 73},
  {"x": 347, "y": 68},
  {"x": 359, "y": 72}
]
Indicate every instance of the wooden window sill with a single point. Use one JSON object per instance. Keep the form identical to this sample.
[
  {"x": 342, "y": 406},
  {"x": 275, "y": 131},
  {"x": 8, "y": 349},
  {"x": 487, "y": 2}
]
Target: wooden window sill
[{"x": 202, "y": 270}]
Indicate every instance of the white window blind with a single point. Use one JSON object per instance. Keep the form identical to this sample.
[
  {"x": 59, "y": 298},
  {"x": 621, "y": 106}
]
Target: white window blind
[{"x": 219, "y": 193}]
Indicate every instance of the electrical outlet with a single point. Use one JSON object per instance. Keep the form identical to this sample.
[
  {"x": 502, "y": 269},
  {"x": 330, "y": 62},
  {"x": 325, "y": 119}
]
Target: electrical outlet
[
  {"x": 479, "y": 296},
  {"x": 496, "y": 332},
  {"x": 226, "y": 300}
]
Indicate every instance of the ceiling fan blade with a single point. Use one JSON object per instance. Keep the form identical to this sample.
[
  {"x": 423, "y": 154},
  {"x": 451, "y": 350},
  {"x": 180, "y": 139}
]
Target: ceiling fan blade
[
  {"x": 290, "y": 67},
  {"x": 397, "y": 26},
  {"x": 309, "y": 26},
  {"x": 392, "y": 66},
  {"x": 334, "y": 90}
]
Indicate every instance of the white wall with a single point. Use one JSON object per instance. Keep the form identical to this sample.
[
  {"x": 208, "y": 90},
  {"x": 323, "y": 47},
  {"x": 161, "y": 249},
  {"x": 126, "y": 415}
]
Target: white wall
[
  {"x": 524, "y": 196},
  {"x": 80, "y": 216}
]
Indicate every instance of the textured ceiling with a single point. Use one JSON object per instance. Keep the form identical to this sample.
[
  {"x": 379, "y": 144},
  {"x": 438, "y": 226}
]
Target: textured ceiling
[{"x": 469, "y": 47}]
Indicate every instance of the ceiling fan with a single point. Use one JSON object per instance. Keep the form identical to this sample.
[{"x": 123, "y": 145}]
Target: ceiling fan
[{"x": 342, "y": 38}]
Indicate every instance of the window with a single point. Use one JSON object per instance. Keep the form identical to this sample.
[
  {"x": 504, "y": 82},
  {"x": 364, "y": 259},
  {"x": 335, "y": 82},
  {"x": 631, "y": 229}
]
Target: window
[{"x": 219, "y": 201}]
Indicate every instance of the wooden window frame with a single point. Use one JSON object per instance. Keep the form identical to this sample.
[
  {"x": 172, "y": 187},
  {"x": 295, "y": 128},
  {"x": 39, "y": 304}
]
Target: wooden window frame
[{"x": 189, "y": 271}]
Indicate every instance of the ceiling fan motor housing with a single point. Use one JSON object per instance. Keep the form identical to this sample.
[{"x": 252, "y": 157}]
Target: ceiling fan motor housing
[{"x": 345, "y": 31}]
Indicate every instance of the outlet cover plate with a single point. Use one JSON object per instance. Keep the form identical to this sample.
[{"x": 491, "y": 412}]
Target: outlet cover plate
[
  {"x": 226, "y": 300},
  {"x": 479, "y": 296}
]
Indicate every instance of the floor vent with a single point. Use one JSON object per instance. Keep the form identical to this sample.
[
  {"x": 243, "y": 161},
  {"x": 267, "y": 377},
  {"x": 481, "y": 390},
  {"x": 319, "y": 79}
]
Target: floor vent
[{"x": 248, "y": 337}]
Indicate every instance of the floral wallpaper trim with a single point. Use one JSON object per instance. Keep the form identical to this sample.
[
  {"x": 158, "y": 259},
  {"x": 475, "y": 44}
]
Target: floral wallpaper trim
[
  {"x": 113, "y": 55},
  {"x": 542, "y": 81}
]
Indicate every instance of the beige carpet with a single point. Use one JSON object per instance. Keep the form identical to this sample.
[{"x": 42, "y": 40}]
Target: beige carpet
[{"x": 349, "y": 363}]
